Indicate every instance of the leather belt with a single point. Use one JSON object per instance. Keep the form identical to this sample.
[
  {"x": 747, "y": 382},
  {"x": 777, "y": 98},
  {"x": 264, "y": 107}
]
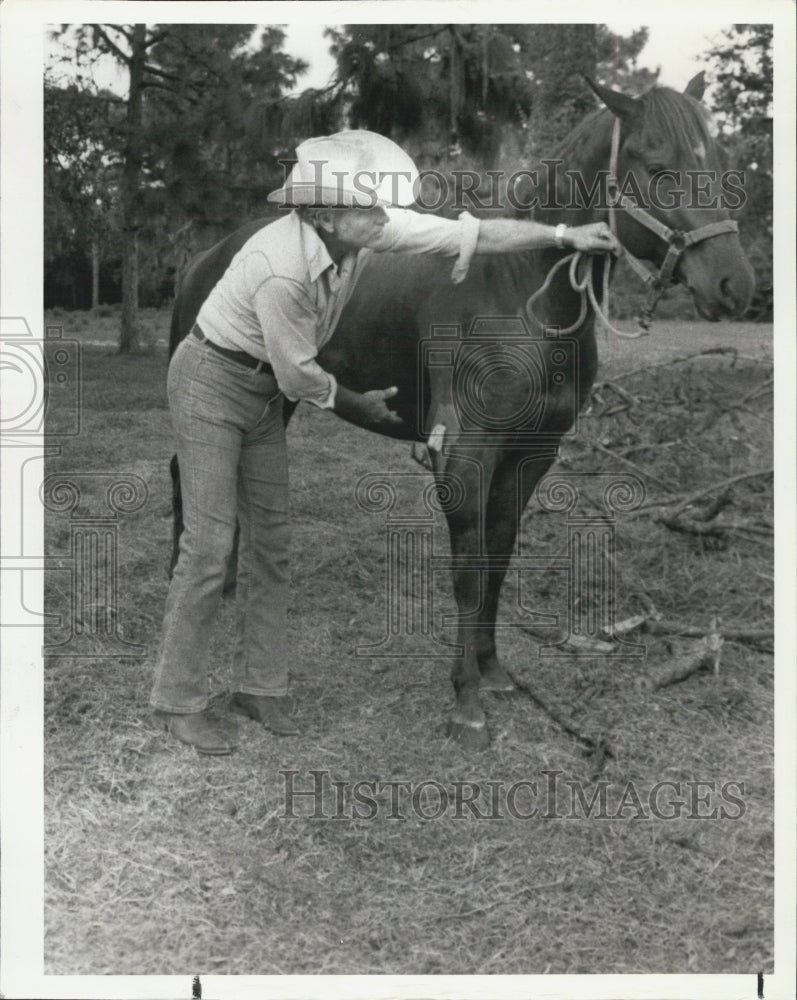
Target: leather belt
[{"x": 240, "y": 356}]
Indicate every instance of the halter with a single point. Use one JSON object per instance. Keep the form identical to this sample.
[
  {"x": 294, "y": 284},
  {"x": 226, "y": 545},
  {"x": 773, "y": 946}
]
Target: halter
[{"x": 677, "y": 240}]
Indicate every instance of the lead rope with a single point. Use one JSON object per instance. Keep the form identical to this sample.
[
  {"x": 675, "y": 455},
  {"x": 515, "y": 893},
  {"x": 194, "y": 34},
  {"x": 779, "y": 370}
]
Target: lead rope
[{"x": 586, "y": 288}]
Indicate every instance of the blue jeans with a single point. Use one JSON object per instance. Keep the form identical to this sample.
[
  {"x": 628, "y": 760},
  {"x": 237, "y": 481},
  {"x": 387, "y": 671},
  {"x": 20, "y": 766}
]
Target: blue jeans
[{"x": 230, "y": 436}]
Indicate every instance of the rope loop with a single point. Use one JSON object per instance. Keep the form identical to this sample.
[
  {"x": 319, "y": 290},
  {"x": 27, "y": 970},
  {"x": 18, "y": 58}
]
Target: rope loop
[{"x": 585, "y": 287}]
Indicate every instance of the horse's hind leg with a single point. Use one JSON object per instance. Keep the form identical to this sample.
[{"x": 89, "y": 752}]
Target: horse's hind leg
[
  {"x": 512, "y": 485},
  {"x": 177, "y": 512}
]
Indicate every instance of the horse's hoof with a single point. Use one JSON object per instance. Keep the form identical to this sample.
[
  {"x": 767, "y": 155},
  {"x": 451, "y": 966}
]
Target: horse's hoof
[
  {"x": 497, "y": 681},
  {"x": 470, "y": 737}
]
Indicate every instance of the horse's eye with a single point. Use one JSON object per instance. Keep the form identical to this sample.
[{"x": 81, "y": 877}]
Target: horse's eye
[{"x": 655, "y": 168}]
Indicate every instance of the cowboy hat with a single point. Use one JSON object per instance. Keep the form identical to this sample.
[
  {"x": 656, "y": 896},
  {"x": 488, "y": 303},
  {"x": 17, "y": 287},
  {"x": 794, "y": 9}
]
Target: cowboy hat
[{"x": 355, "y": 168}]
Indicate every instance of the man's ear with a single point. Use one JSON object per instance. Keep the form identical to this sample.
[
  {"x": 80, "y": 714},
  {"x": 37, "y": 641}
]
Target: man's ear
[{"x": 323, "y": 219}]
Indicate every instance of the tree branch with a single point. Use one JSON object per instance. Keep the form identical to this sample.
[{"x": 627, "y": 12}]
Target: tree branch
[
  {"x": 162, "y": 72},
  {"x": 157, "y": 37},
  {"x": 112, "y": 44},
  {"x": 147, "y": 84}
]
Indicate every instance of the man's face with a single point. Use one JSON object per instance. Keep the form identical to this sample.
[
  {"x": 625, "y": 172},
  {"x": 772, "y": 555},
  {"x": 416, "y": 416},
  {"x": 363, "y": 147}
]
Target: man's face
[{"x": 356, "y": 228}]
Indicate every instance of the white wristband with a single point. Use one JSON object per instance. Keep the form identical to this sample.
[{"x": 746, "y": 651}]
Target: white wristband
[{"x": 559, "y": 235}]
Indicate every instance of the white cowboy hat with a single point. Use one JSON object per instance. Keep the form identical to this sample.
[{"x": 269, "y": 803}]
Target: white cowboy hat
[{"x": 349, "y": 169}]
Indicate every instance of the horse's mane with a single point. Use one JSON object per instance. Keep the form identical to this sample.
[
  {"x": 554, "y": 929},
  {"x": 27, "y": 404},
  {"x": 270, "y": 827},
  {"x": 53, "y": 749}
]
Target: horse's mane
[{"x": 663, "y": 112}]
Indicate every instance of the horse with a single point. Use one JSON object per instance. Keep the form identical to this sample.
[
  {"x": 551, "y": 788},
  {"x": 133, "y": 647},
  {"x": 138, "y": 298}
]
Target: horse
[{"x": 497, "y": 459}]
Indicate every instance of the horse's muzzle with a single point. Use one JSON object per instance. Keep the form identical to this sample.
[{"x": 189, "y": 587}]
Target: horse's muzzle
[{"x": 722, "y": 286}]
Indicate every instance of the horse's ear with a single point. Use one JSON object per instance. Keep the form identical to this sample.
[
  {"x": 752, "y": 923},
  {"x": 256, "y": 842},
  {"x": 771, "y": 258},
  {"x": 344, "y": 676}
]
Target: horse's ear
[
  {"x": 621, "y": 104},
  {"x": 696, "y": 86}
]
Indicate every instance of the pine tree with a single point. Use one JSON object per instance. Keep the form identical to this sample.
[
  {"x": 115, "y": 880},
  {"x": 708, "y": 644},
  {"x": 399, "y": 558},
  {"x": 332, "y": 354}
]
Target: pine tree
[{"x": 183, "y": 145}]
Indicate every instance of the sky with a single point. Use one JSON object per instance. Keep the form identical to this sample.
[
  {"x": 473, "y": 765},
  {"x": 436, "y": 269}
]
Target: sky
[
  {"x": 671, "y": 47},
  {"x": 676, "y": 50}
]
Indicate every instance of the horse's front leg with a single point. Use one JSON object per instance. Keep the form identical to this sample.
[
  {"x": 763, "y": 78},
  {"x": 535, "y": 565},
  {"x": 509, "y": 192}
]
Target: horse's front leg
[
  {"x": 467, "y": 480},
  {"x": 512, "y": 485}
]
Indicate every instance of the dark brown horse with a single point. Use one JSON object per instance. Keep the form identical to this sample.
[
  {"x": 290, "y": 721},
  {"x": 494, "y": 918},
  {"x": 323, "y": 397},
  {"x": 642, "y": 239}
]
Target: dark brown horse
[{"x": 503, "y": 419}]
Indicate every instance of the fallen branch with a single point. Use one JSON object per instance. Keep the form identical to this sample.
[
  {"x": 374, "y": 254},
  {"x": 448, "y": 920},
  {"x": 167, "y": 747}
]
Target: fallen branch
[
  {"x": 649, "y": 446},
  {"x": 652, "y": 624},
  {"x": 729, "y": 409},
  {"x": 757, "y": 391},
  {"x": 626, "y": 626},
  {"x": 717, "y": 529},
  {"x": 704, "y": 655},
  {"x": 731, "y": 633},
  {"x": 631, "y": 465},
  {"x": 710, "y": 512},
  {"x": 623, "y": 393},
  {"x": 721, "y": 487},
  {"x": 763, "y": 417},
  {"x": 678, "y": 360},
  {"x": 684, "y": 500},
  {"x": 597, "y": 746},
  {"x": 687, "y": 526},
  {"x": 575, "y": 644},
  {"x": 739, "y": 527}
]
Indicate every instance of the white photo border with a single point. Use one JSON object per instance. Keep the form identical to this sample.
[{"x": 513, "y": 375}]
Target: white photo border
[{"x": 22, "y": 38}]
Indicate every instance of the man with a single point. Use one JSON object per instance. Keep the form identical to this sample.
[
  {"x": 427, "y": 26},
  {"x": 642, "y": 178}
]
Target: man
[{"x": 255, "y": 341}]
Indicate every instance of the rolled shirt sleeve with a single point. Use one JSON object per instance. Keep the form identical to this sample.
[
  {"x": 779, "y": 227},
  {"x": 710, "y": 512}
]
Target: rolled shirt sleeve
[
  {"x": 413, "y": 232},
  {"x": 288, "y": 321}
]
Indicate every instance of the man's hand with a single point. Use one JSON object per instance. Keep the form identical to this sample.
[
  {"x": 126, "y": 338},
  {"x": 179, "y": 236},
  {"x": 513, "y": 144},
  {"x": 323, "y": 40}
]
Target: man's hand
[
  {"x": 374, "y": 408},
  {"x": 594, "y": 238},
  {"x": 366, "y": 409}
]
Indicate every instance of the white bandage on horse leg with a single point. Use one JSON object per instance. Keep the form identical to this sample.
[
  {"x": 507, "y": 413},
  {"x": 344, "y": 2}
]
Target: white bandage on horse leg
[{"x": 437, "y": 437}]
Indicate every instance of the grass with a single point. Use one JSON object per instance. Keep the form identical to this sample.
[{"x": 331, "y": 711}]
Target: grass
[{"x": 160, "y": 861}]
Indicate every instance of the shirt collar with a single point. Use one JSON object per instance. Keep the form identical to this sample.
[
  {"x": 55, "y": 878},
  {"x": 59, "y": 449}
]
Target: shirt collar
[
  {"x": 315, "y": 251},
  {"x": 317, "y": 255}
]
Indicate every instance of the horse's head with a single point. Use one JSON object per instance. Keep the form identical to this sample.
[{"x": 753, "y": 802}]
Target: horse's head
[{"x": 668, "y": 160}]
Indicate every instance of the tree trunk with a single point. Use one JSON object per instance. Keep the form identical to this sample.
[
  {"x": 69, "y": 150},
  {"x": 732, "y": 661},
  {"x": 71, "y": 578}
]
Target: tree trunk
[
  {"x": 128, "y": 341},
  {"x": 130, "y": 186},
  {"x": 95, "y": 272}
]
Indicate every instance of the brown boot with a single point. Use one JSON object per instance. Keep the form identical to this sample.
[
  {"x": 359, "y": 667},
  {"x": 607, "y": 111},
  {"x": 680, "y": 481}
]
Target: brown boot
[
  {"x": 265, "y": 710},
  {"x": 198, "y": 729}
]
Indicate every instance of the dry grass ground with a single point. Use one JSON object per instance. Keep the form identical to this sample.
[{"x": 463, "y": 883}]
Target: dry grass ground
[{"x": 161, "y": 861}]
